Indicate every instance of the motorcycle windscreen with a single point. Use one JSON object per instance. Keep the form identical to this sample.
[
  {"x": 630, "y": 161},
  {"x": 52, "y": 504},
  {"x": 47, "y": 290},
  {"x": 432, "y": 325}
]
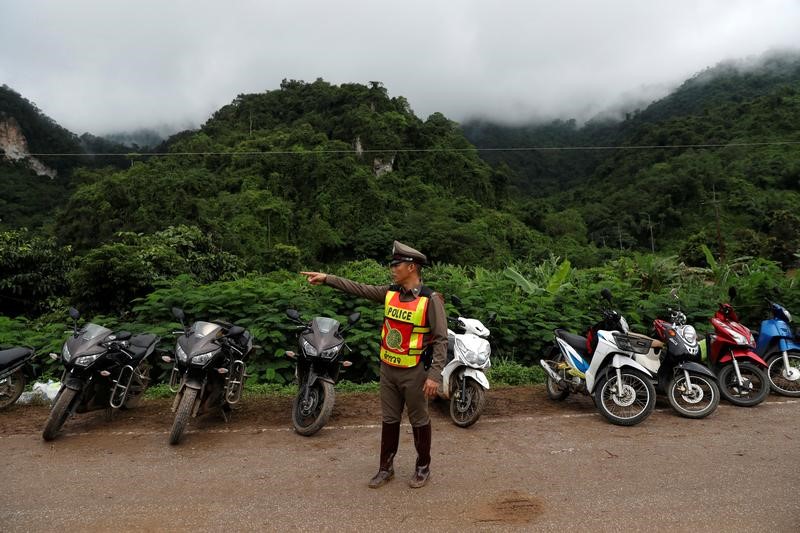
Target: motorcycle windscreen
[
  {"x": 201, "y": 338},
  {"x": 88, "y": 339}
]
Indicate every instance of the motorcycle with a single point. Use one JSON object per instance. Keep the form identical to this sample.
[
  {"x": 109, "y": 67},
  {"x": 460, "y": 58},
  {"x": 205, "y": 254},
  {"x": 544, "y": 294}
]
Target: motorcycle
[
  {"x": 689, "y": 385},
  {"x": 16, "y": 368},
  {"x": 463, "y": 377},
  {"x": 208, "y": 370},
  {"x": 602, "y": 365},
  {"x": 778, "y": 346},
  {"x": 740, "y": 371},
  {"x": 318, "y": 363},
  {"x": 102, "y": 370}
]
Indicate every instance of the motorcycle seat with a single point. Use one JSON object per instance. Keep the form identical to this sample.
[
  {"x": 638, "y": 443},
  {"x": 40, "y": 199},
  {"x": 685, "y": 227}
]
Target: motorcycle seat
[
  {"x": 142, "y": 345},
  {"x": 575, "y": 341},
  {"x": 13, "y": 356}
]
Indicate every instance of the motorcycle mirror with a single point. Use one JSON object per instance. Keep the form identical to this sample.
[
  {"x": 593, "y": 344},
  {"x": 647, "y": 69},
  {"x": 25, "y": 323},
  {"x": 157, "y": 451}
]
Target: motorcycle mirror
[
  {"x": 235, "y": 331},
  {"x": 293, "y": 314},
  {"x": 74, "y": 314},
  {"x": 732, "y": 292},
  {"x": 492, "y": 317},
  {"x": 674, "y": 293},
  {"x": 177, "y": 312},
  {"x": 606, "y": 294},
  {"x": 353, "y": 318},
  {"x": 122, "y": 335},
  {"x": 456, "y": 300}
]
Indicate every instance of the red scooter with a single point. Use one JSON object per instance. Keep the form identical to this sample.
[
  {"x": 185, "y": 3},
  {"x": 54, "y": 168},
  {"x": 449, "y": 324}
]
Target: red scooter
[{"x": 731, "y": 355}]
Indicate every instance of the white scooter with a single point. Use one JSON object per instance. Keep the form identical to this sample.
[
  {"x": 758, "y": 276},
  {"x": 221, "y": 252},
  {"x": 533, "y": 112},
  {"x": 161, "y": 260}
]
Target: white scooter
[
  {"x": 463, "y": 379},
  {"x": 623, "y": 389}
]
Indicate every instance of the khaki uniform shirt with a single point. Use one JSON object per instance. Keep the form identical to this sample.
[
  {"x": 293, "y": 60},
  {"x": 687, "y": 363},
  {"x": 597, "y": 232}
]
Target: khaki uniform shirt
[{"x": 437, "y": 317}]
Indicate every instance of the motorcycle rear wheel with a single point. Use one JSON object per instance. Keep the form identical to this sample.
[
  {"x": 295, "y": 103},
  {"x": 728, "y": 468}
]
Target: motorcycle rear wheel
[
  {"x": 777, "y": 380},
  {"x": 635, "y": 404},
  {"x": 729, "y": 386},
  {"x": 554, "y": 391},
  {"x": 182, "y": 415},
  {"x": 466, "y": 414},
  {"x": 59, "y": 413},
  {"x": 11, "y": 388},
  {"x": 700, "y": 402},
  {"x": 311, "y": 418}
]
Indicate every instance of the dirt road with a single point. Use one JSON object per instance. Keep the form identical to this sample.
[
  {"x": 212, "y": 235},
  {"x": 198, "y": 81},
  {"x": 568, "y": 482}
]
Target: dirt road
[{"x": 528, "y": 464}]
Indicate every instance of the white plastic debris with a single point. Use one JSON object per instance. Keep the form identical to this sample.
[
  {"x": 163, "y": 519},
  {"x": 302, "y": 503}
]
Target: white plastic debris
[{"x": 41, "y": 392}]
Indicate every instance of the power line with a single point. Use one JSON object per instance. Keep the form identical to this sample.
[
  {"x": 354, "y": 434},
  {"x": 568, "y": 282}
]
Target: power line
[{"x": 423, "y": 150}]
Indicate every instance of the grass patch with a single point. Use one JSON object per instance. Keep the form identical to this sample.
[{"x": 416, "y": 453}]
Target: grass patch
[
  {"x": 507, "y": 372},
  {"x": 504, "y": 373},
  {"x": 266, "y": 389}
]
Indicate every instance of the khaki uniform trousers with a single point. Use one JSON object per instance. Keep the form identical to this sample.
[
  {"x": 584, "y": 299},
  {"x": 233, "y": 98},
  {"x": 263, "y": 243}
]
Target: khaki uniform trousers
[{"x": 401, "y": 387}]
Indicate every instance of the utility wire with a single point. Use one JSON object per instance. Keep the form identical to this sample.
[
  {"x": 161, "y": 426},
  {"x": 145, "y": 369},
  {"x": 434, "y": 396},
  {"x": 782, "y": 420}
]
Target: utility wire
[{"x": 423, "y": 150}]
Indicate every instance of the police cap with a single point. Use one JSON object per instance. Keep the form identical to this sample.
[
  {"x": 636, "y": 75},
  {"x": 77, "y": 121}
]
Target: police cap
[{"x": 402, "y": 253}]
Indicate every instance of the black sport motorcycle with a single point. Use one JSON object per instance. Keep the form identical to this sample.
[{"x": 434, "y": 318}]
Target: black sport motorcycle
[
  {"x": 208, "y": 371},
  {"x": 319, "y": 362},
  {"x": 102, "y": 370},
  {"x": 16, "y": 368}
]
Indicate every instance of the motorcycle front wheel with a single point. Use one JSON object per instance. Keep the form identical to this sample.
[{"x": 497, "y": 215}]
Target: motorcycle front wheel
[
  {"x": 752, "y": 392},
  {"x": 626, "y": 403},
  {"x": 11, "y": 388},
  {"x": 58, "y": 414},
  {"x": 784, "y": 380},
  {"x": 182, "y": 415},
  {"x": 699, "y": 401},
  {"x": 467, "y": 410},
  {"x": 310, "y": 416}
]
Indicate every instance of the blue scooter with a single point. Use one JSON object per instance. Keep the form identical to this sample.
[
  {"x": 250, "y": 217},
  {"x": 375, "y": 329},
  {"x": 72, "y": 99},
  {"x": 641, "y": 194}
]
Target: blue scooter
[{"x": 778, "y": 346}]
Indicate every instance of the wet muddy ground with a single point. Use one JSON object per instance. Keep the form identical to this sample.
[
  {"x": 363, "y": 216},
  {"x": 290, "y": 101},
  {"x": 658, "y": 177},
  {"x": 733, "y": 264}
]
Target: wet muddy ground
[{"x": 528, "y": 464}]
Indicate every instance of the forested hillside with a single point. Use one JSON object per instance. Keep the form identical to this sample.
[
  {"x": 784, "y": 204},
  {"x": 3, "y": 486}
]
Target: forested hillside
[
  {"x": 314, "y": 175},
  {"x": 717, "y": 162}
]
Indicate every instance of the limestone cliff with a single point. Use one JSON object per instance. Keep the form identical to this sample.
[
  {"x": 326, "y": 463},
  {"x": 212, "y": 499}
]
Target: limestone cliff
[{"x": 15, "y": 147}]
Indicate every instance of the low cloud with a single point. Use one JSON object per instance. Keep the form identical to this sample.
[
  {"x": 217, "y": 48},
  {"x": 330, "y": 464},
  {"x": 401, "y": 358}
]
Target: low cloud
[{"x": 110, "y": 66}]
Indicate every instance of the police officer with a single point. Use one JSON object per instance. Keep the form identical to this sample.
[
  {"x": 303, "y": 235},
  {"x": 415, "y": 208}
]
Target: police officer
[{"x": 414, "y": 333}]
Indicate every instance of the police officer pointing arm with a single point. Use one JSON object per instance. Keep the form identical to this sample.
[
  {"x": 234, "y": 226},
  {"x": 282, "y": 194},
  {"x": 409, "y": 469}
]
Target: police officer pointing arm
[{"x": 413, "y": 338}]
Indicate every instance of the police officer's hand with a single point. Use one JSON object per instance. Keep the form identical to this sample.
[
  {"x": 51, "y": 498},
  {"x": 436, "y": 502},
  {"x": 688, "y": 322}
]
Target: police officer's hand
[
  {"x": 315, "y": 278},
  {"x": 430, "y": 388}
]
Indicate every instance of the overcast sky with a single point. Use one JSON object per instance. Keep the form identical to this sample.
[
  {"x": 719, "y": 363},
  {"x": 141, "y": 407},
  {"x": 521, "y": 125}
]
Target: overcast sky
[{"x": 111, "y": 65}]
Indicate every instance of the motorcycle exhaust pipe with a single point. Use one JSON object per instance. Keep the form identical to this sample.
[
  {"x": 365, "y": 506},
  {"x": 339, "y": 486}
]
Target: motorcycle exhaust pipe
[{"x": 550, "y": 372}]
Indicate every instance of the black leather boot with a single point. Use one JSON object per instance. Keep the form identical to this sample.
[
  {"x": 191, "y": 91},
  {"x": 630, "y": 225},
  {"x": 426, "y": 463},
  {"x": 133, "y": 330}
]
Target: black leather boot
[
  {"x": 422, "y": 442},
  {"x": 390, "y": 437}
]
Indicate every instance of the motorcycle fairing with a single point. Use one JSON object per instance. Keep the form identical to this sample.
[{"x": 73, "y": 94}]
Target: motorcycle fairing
[
  {"x": 777, "y": 333},
  {"x": 571, "y": 355}
]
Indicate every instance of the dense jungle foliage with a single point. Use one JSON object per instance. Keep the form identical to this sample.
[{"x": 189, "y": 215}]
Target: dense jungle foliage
[{"x": 312, "y": 175}]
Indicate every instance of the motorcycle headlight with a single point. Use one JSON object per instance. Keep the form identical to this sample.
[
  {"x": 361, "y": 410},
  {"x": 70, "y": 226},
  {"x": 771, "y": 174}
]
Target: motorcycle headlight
[
  {"x": 203, "y": 358},
  {"x": 689, "y": 334},
  {"x": 182, "y": 357},
  {"x": 65, "y": 355},
  {"x": 330, "y": 353},
  {"x": 738, "y": 338},
  {"x": 308, "y": 349},
  {"x": 86, "y": 360}
]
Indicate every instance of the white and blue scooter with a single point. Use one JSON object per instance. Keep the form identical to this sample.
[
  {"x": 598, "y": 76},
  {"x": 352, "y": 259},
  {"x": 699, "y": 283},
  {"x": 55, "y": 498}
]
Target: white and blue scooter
[{"x": 602, "y": 365}]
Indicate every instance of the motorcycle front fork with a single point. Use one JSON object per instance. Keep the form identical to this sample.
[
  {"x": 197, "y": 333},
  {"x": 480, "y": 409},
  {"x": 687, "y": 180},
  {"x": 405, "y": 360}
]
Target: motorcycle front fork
[{"x": 739, "y": 379}]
